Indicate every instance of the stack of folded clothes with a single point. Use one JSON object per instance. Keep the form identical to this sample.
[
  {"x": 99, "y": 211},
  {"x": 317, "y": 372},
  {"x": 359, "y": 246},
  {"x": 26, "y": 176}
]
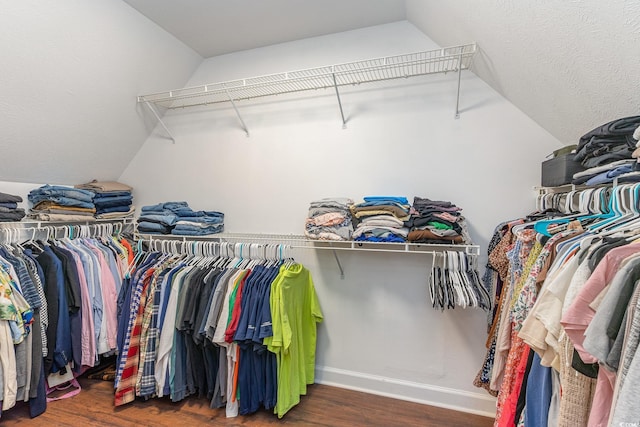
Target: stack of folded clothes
[
  {"x": 60, "y": 203},
  {"x": 113, "y": 200},
  {"x": 178, "y": 218},
  {"x": 608, "y": 143},
  {"x": 329, "y": 219},
  {"x": 607, "y": 152},
  {"x": 624, "y": 170},
  {"x": 9, "y": 210},
  {"x": 381, "y": 219},
  {"x": 434, "y": 221}
]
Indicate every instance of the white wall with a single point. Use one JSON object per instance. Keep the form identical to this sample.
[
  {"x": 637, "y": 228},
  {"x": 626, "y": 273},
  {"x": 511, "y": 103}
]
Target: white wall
[
  {"x": 569, "y": 65},
  {"x": 71, "y": 71},
  {"x": 402, "y": 139}
]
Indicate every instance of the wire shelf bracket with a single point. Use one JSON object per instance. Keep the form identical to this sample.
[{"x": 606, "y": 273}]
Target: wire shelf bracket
[
  {"x": 439, "y": 61},
  {"x": 155, "y": 113}
]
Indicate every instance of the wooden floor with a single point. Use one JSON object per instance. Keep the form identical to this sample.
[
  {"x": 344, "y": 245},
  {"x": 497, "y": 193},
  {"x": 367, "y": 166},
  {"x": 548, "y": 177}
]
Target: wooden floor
[{"x": 323, "y": 406}]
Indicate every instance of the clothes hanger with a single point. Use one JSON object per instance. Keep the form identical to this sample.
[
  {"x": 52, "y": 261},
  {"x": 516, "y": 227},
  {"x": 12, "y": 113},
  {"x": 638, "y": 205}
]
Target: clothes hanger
[
  {"x": 621, "y": 203},
  {"x": 435, "y": 282},
  {"x": 590, "y": 208},
  {"x": 632, "y": 221}
]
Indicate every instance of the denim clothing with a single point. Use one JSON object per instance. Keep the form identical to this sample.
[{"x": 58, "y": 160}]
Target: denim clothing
[
  {"x": 160, "y": 207},
  {"x": 153, "y": 227},
  {"x": 200, "y": 220},
  {"x": 125, "y": 208},
  {"x": 191, "y": 230},
  {"x": 188, "y": 213},
  {"x": 164, "y": 217},
  {"x": 9, "y": 205},
  {"x": 117, "y": 201},
  {"x": 160, "y": 218},
  {"x": 109, "y": 194},
  {"x": 60, "y": 191},
  {"x": 61, "y": 200}
]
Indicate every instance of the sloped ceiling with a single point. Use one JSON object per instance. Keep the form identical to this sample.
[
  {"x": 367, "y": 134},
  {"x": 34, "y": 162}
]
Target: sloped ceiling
[
  {"x": 72, "y": 68},
  {"x": 569, "y": 65},
  {"x": 71, "y": 71},
  {"x": 216, "y": 27}
]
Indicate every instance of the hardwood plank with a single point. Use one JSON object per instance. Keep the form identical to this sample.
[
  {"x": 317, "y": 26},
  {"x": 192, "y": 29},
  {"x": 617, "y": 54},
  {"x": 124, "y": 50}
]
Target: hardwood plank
[{"x": 324, "y": 406}]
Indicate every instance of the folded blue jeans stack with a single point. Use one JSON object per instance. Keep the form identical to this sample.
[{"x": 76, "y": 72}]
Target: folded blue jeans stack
[
  {"x": 56, "y": 202},
  {"x": 112, "y": 199},
  {"x": 179, "y": 219},
  {"x": 114, "y": 202},
  {"x": 63, "y": 196}
]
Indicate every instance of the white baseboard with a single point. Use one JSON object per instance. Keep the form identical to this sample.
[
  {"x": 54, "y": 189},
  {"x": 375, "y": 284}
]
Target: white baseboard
[{"x": 459, "y": 400}]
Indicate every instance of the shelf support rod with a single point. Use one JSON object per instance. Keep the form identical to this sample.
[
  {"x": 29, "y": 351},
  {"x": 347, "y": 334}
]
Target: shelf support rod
[
  {"x": 233, "y": 103},
  {"x": 335, "y": 85},
  {"x": 155, "y": 113},
  {"x": 335, "y": 255},
  {"x": 457, "y": 116}
]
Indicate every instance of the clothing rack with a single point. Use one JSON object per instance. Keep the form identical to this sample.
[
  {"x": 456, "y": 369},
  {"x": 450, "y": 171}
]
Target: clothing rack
[
  {"x": 293, "y": 241},
  {"x": 582, "y": 199},
  {"x": 18, "y": 232}
]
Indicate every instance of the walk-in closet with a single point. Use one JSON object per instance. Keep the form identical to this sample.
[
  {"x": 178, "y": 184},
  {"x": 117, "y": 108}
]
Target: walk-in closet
[{"x": 336, "y": 213}]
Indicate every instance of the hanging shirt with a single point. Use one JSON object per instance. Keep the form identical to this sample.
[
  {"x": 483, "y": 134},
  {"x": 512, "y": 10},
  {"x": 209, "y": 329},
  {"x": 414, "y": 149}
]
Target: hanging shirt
[{"x": 294, "y": 307}]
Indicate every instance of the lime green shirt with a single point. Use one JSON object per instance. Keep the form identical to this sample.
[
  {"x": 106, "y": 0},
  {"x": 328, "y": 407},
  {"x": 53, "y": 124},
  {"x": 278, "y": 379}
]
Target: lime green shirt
[{"x": 295, "y": 312}]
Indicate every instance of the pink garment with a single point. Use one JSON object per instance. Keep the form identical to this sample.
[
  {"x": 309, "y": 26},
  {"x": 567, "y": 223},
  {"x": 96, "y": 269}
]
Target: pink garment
[
  {"x": 580, "y": 314},
  {"x": 578, "y": 317},
  {"x": 109, "y": 298},
  {"x": 327, "y": 220}
]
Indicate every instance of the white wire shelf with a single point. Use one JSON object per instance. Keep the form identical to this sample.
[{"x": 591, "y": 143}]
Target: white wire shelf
[
  {"x": 352, "y": 73},
  {"x": 300, "y": 241},
  {"x": 438, "y": 61},
  {"x": 294, "y": 241}
]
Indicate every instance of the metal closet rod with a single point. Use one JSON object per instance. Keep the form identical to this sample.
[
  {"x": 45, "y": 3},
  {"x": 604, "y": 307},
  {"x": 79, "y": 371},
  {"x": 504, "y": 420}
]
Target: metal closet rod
[
  {"x": 301, "y": 242},
  {"x": 88, "y": 229}
]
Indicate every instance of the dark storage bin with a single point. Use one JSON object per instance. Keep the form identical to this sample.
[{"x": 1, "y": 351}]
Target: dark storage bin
[{"x": 560, "y": 170}]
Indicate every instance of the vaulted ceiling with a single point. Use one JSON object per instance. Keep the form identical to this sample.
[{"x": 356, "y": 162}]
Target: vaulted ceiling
[
  {"x": 72, "y": 69},
  {"x": 216, "y": 27}
]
